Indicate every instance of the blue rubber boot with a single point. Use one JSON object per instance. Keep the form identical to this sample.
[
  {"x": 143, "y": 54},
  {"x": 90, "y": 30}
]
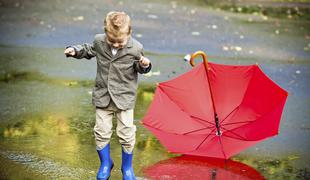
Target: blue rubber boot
[
  {"x": 127, "y": 169},
  {"x": 106, "y": 163}
]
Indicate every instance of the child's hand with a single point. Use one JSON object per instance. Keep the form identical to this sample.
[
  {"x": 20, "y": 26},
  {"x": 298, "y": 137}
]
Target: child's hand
[
  {"x": 69, "y": 51},
  {"x": 145, "y": 62}
]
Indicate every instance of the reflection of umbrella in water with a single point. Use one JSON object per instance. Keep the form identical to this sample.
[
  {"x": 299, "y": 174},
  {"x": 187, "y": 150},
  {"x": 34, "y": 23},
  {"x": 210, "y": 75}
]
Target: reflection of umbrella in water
[
  {"x": 215, "y": 110},
  {"x": 191, "y": 167}
]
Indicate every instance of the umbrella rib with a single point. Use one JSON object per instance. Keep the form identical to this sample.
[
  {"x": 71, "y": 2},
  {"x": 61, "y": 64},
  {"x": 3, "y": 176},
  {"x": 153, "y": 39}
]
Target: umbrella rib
[
  {"x": 256, "y": 119},
  {"x": 241, "y": 138},
  {"x": 242, "y": 98},
  {"x": 220, "y": 140},
  {"x": 205, "y": 139},
  {"x": 239, "y": 122},
  {"x": 159, "y": 129},
  {"x": 230, "y": 114},
  {"x": 202, "y": 119},
  {"x": 176, "y": 133},
  {"x": 222, "y": 148},
  {"x": 180, "y": 107},
  {"x": 198, "y": 130}
]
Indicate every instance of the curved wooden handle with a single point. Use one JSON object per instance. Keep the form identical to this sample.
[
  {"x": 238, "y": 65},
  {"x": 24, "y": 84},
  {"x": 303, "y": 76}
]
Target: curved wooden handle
[{"x": 204, "y": 57}]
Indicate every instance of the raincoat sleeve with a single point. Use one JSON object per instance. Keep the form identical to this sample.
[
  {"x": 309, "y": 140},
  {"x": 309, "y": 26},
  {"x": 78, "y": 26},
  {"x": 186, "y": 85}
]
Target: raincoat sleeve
[
  {"x": 85, "y": 50},
  {"x": 138, "y": 67}
]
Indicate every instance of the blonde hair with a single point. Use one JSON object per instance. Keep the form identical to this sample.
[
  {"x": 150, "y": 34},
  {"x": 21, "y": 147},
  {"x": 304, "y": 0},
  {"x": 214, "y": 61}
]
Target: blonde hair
[{"x": 117, "y": 24}]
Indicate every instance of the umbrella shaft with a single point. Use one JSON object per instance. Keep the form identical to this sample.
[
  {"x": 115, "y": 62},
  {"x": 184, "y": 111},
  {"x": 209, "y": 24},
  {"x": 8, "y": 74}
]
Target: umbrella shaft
[{"x": 217, "y": 124}]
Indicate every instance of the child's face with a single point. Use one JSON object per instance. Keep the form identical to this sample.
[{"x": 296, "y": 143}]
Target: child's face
[{"x": 117, "y": 42}]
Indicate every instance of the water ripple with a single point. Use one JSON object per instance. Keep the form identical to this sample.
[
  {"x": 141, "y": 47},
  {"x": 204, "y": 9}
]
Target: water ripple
[{"x": 47, "y": 167}]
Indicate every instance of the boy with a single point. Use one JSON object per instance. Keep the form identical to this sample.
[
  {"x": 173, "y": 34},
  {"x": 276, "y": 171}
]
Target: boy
[{"x": 119, "y": 60}]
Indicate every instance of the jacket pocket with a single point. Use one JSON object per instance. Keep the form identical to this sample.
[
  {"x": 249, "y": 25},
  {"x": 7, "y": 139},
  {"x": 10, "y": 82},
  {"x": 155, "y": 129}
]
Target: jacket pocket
[
  {"x": 100, "y": 83},
  {"x": 99, "y": 92}
]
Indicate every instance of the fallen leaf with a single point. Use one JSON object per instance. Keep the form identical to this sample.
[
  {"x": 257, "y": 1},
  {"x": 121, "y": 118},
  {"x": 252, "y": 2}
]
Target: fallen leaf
[
  {"x": 238, "y": 48},
  {"x": 78, "y": 18},
  {"x": 152, "y": 16},
  {"x": 195, "y": 33},
  {"x": 225, "y": 48}
]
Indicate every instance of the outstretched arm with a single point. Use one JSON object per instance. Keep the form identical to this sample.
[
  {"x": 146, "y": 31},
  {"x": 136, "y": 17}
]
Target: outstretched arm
[{"x": 81, "y": 51}]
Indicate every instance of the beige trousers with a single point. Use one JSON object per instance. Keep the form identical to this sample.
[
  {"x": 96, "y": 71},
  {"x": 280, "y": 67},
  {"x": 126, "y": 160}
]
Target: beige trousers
[{"x": 125, "y": 130}]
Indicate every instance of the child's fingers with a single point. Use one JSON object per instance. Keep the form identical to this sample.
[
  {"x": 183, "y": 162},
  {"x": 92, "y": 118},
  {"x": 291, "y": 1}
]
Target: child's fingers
[
  {"x": 69, "y": 51},
  {"x": 140, "y": 60},
  {"x": 143, "y": 59},
  {"x": 144, "y": 62}
]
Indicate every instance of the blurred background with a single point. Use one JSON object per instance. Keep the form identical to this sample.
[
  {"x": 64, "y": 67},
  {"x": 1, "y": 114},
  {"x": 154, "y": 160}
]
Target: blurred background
[{"x": 46, "y": 115}]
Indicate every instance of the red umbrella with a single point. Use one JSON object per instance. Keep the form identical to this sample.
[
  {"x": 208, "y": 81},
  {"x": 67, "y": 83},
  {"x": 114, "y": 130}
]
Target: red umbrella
[
  {"x": 215, "y": 110},
  {"x": 190, "y": 167}
]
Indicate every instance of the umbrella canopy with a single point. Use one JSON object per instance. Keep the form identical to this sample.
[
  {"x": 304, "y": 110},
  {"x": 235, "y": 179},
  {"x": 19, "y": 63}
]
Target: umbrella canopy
[
  {"x": 190, "y": 167},
  {"x": 215, "y": 110}
]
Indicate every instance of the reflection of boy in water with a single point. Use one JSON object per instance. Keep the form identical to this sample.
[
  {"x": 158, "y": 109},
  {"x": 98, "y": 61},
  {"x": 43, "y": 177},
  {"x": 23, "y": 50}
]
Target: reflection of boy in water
[{"x": 119, "y": 60}]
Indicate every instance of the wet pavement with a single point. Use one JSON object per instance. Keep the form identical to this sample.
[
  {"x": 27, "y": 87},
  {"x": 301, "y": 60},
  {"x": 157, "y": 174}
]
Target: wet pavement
[{"x": 45, "y": 104}]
